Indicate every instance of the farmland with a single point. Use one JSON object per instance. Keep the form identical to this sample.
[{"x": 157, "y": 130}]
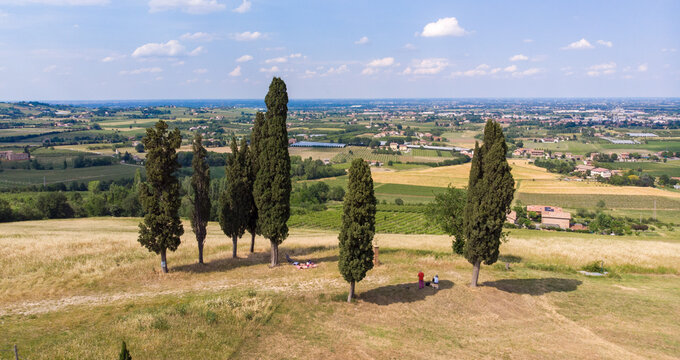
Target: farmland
[{"x": 79, "y": 297}]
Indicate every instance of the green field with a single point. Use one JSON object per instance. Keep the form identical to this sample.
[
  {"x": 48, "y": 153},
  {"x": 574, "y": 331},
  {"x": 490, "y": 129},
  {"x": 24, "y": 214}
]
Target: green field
[
  {"x": 670, "y": 168},
  {"x": 590, "y": 201},
  {"x": 10, "y": 178}
]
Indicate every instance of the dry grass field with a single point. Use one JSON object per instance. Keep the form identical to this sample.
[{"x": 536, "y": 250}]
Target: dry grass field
[
  {"x": 529, "y": 179},
  {"x": 73, "y": 289}
]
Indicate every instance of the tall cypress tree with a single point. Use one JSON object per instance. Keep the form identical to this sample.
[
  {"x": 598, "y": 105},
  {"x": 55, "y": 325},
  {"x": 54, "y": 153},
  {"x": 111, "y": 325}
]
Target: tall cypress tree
[
  {"x": 358, "y": 226},
  {"x": 490, "y": 192},
  {"x": 200, "y": 183},
  {"x": 236, "y": 198},
  {"x": 253, "y": 153},
  {"x": 272, "y": 184},
  {"x": 159, "y": 195}
]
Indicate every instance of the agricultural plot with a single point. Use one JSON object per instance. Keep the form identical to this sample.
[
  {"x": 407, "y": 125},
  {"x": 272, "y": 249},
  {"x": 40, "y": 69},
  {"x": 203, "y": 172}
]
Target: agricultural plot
[
  {"x": 670, "y": 168},
  {"x": 389, "y": 219},
  {"x": 10, "y": 178},
  {"x": 589, "y": 188},
  {"x": 575, "y": 201},
  {"x": 457, "y": 175},
  {"x": 431, "y": 153}
]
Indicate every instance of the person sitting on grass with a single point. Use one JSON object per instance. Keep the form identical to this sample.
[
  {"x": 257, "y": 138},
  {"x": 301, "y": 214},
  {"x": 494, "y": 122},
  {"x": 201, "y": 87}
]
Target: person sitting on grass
[{"x": 435, "y": 282}]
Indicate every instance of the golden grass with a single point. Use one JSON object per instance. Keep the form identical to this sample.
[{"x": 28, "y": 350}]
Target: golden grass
[
  {"x": 85, "y": 284},
  {"x": 457, "y": 175}
]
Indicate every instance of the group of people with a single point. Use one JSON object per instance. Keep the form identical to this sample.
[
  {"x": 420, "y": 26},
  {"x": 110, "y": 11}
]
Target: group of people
[{"x": 422, "y": 283}]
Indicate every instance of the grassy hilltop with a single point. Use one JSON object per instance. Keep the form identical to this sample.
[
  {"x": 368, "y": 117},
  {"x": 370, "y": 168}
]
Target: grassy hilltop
[{"x": 76, "y": 288}]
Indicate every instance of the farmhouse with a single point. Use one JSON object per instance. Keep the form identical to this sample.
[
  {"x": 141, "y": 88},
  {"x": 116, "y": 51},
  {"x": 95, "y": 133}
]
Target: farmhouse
[
  {"x": 556, "y": 218},
  {"x": 605, "y": 173},
  {"x": 540, "y": 209},
  {"x": 511, "y": 217}
]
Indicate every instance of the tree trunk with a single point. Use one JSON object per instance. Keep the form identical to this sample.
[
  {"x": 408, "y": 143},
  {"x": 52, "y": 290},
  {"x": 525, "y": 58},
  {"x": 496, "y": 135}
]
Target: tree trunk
[
  {"x": 234, "y": 240},
  {"x": 252, "y": 243},
  {"x": 351, "y": 292},
  {"x": 200, "y": 252},
  {"x": 475, "y": 273},
  {"x": 164, "y": 264},
  {"x": 275, "y": 254}
]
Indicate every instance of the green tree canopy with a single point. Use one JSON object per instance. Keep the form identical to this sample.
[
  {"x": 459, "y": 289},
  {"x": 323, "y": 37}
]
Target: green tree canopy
[
  {"x": 236, "y": 198},
  {"x": 446, "y": 211},
  {"x": 159, "y": 195},
  {"x": 272, "y": 184},
  {"x": 358, "y": 225},
  {"x": 490, "y": 192},
  {"x": 200, "y": 184}
]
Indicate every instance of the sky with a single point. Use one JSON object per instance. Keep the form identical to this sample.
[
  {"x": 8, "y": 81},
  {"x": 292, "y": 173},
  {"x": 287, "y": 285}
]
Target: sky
[{"x": 231, "y": 49}]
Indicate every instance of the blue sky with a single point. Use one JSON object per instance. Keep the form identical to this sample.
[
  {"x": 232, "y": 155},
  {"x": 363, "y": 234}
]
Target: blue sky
[{"x": 164, "y": 49}]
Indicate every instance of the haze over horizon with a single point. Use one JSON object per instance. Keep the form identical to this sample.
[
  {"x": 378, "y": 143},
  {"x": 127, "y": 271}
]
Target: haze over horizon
[{"x": 229, "y": 49}]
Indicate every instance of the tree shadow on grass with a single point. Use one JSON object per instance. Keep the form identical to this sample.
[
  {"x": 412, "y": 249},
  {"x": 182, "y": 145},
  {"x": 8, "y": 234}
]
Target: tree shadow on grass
[
  {"x": 534, "y": 286},
  {"x": 402, "y": 293},
  {"x": 301, "y": 254}
]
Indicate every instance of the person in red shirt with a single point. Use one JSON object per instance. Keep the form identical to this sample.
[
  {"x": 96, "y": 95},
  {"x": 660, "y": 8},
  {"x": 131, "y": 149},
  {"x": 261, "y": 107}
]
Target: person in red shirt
[{"x": 421, "y": 282}]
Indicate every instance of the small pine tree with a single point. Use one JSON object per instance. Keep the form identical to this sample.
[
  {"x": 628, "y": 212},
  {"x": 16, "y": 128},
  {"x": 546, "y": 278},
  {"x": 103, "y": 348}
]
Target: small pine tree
[
  {"x": 272, "y": 185},
  {"x": 236, "y": 198},
  {"x": 358, "y": 226},
  {"x": 159, "y": 195},
  {"x": 200, "y": 183},
  {"x": 490, "y": 192},
  {"x": 124, "y": 353}
]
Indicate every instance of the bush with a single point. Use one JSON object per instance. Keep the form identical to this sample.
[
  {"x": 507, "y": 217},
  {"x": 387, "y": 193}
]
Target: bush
[
  {"x": 54, "y": 206},
  {"x": 399, "y": 201}
]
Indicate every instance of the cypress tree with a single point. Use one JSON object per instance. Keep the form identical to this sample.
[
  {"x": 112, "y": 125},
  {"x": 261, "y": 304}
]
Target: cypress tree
[
  {"x": 490, "y": 192},
  {"x": 272, "y": 184},
  {"x": 358, "y": 226},
  {"x": 200, "y": 183},
  {"x": 235, "y": 199},
  {"x": 253, "y": 153},
  {"x": 159, "y": 195},
  {"x": 124, "y": 353}
]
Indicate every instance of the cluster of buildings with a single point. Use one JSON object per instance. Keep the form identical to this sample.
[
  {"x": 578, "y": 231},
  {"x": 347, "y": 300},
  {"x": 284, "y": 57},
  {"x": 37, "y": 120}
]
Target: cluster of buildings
[{"x": 12, "y": 156}]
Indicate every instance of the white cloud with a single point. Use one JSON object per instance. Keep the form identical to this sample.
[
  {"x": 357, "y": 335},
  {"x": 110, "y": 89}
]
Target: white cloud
[
  {"x": 236, "y": 72},
  {"x": 519, "y": 57},
  {"x": 443, "y": 27},
  {"x": 642, "y": 67},
  {"x": 429, "y": 66},
  {"x": 277, "y": 60},
  {"x": 527, "y": 72},
  {"x": 109, "y": 59},
  {"x": 244, "y": 58},
  {"x": 50, "y": 68},
  {"x": 363, "y": 41},
  {"x": 198, "y": 36},
  {"x": 196, "y": 51},
  {"x": 602, "y": 69},
  {"x": 338, "y": 70},
  {"x": 247, "y": 36},
  {"x": 384, "y": 62},
  {"x": 309, "y": 73},
  {"x": 511, "y": 68},
  {"x": 605, "y": 43},
  {"x": 270, "y": 70},
  {"x": 669, "y": 50},
  {"x": 201, "y": 71},
  {"x": 141, "y": 71},
  {"x": 244, "y": 7},
  {"x": 170, "y": 48},
  {"x": 410, "y": 46},
  {"x": 188, "y": 6},
  {"x": 295, "y": 56},
  {"x": 528, "y": 40},
  {"x": 579, "y": 45},
  {"x": 369, "y": 71},
  {"x": 480, "y": 70}
]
